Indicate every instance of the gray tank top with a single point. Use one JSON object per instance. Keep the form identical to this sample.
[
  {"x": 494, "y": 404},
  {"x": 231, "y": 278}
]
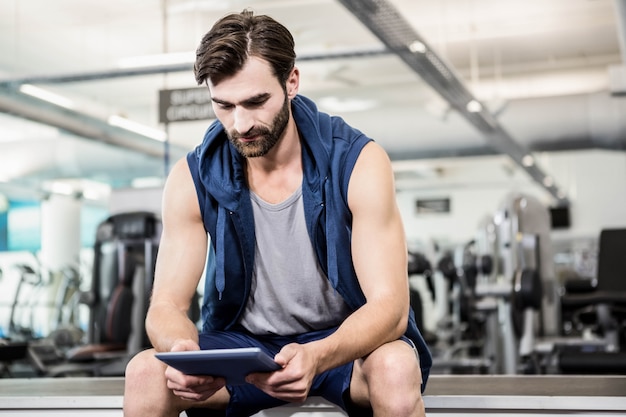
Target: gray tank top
[{"x": 290, "y": 293}]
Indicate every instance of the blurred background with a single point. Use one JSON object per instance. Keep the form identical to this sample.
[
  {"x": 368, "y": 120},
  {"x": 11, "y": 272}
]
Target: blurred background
[{"x": 505, "y": 121}]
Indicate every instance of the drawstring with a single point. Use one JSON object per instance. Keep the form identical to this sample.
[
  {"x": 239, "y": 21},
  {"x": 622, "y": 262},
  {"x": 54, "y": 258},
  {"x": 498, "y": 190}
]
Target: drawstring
[
  {"x": 220, "y": 279},
  {"x": 210, "y": 266},
  {"x": 331, "y": 237}
]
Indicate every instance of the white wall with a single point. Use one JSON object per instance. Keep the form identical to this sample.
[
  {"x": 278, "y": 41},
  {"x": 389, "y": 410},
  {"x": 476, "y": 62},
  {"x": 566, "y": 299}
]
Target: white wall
[{"x": 595, "y": 182}]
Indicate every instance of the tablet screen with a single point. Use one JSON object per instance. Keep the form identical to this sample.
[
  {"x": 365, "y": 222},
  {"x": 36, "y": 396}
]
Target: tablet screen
[{"x": 232, "y": 364}]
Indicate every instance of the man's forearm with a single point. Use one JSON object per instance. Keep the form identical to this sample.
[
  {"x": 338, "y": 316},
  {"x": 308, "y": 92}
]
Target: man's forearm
[
  {"x": 361, "y": 333},
  {"x": 165, "y": 325}
]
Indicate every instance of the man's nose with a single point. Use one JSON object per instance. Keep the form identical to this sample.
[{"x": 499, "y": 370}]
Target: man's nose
[{"x": 243, "y": 120}]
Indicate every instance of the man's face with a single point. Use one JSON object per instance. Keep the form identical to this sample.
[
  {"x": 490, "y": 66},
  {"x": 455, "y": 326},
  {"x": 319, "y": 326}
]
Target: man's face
[
  {"x": 264, "y": 138},
  {"x": 253, "y": 107}
]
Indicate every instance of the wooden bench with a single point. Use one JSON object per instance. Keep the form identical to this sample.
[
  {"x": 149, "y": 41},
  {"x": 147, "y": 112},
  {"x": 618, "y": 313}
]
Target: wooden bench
[{"x": 446, "y": 395}]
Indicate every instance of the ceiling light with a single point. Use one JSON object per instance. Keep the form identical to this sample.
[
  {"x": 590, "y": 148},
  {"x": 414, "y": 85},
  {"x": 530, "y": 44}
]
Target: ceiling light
[
  {"x": 139, "y": 128},
  {"x": 46, "y": 95},
  {"x": 473, "y": 106},
  {"x": 187, "y": 57},
  {"x": 528, "y": 161},
  {"x": 417, "y": 46}
]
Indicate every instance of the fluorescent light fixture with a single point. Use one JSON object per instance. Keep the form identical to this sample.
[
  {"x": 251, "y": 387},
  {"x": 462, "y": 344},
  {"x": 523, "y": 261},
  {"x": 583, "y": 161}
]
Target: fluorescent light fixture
[
  {"x": 139, "y": 128},
  {"x": 157, "y": 60},
  {"x": 46, "y": 95}
]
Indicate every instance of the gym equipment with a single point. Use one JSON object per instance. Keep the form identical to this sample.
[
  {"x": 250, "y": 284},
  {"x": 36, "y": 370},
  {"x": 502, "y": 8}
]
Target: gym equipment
[
  {"x": 601, "y": 309},
  {"x": 462, "y": 331},
  {"x": 498, "y": 291},
  {"x": 419, "y": 266},
  {"x": 124, "y": 260},
  {"x": 68, "y": 298},
  {"x": 10, "y": 352},
  {"x": 31, "y": 281},
  {"x": 523, "y": 286}
]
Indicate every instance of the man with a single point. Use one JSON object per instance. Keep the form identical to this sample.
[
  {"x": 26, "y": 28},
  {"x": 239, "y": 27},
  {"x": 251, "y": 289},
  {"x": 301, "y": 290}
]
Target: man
[{"x": 307, "y": 256}]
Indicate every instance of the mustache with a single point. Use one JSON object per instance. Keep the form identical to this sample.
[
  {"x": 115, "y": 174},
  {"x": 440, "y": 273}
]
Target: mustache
[{"x": 255, "y": 131}]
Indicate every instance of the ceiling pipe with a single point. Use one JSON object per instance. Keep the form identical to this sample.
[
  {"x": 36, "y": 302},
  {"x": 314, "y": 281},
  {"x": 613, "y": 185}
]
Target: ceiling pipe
[
  {"x": 166, "y": 69},
  {"x": 21, "y": 105},
  {"x": 399, "y": 37}
]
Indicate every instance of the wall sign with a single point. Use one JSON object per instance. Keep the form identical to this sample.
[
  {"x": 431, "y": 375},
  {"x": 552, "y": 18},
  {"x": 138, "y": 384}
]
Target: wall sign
[
  {"x": 186, "y": 104},
  {"x": 432, "y": 205}
]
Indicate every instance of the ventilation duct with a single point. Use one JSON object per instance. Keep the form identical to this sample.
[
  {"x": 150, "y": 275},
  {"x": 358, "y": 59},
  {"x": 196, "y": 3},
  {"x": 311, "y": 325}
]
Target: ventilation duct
[
  {"x": 77, "y": 123},
  {"x": 165, "y": 69},
  {"x": 384, "y": 21}
]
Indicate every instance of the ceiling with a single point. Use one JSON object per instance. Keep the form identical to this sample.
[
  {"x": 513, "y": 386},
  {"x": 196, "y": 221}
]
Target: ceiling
[{"x": 547, "y": 73}]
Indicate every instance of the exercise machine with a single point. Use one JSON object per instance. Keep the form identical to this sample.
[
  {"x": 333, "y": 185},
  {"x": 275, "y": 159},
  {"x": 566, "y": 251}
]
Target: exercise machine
[{"x": 125, "y": 252}]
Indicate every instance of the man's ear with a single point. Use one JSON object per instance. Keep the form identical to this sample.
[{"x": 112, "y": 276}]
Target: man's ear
[{"x": 293, "y": 83}]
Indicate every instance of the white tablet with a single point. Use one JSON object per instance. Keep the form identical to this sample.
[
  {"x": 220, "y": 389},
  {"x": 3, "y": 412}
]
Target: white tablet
[{"x": 232, "y": 364}]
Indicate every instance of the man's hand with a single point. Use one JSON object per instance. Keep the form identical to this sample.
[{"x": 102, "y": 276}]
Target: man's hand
[
  {"x": 293, "y": 382},
  {"x": 191, "y": 387}
]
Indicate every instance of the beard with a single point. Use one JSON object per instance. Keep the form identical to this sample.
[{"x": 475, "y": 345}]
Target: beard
[{"x": 267, "y": 137}]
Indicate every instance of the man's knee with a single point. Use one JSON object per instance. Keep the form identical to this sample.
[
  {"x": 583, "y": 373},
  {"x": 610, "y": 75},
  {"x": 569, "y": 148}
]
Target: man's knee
[
  {"x": 145, "y": 390},
  {"x": 144, "y": 376},
  {"x": 393, "y": 362},
  {"x": 394, "y": 380},
  {"x": 143, "y": 366}
]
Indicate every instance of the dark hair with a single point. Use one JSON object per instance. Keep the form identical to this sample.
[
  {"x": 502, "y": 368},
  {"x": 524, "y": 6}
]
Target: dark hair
[{"x": 236, "y": 37}]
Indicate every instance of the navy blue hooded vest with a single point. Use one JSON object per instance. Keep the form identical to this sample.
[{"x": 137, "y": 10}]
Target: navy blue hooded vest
[{"x": 330, "y": 149}]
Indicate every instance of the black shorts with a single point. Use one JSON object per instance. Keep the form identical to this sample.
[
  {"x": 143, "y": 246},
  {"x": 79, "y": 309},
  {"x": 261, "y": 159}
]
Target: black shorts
[{"x": 246, "y": 400}]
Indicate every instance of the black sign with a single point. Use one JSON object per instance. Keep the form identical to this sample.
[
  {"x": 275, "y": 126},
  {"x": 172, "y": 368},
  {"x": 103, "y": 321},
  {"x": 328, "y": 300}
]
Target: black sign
[
  {"x": 433, "y": 205},
  {"x": 185, "y": 105}
]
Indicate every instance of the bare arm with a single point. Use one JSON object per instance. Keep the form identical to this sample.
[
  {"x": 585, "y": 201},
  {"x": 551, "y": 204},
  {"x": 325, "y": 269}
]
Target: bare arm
[
  {"x": 380, "y": 260},
  {"x": 180, "y": 262}
]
